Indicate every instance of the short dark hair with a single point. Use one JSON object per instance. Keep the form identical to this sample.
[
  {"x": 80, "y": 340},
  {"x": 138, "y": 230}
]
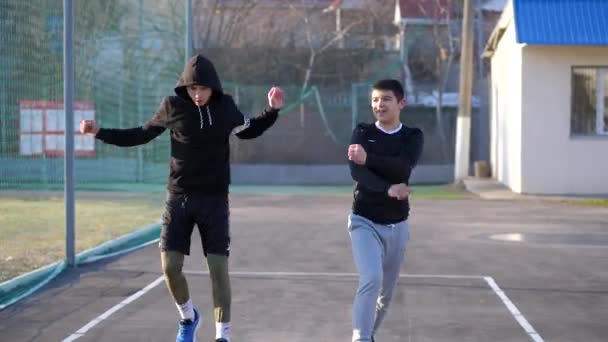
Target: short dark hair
[{"x": 392, "y": 85}]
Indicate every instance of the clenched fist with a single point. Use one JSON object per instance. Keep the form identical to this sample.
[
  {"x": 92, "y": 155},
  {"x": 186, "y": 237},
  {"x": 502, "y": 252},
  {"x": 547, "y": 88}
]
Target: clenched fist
[
  {"x": 357, "y": 154},
  {"x": 399, "y": 191},
  {"x": 88, "y": 127},
  {"x": 275, "y": 98}
]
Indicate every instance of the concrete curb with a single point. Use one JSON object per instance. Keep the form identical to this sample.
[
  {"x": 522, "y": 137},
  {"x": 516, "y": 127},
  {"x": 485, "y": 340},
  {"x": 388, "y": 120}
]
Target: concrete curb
[
  {"x": 121, "y": 245},
  {"x": 13, "y": 290}
]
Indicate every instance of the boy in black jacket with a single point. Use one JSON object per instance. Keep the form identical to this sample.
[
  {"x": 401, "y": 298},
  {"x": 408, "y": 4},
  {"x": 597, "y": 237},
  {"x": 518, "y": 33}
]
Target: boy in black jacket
[
  {"x": 382, "y": 156},
  {"x": 200, "y": 118}
]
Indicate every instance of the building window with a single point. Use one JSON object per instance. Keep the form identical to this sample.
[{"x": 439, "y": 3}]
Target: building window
[{"x": 589, "y": 101}]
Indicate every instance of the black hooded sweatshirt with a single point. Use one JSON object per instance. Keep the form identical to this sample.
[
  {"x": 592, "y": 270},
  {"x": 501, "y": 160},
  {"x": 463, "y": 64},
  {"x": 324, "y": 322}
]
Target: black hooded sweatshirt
[{"x": 200, "y": 147}]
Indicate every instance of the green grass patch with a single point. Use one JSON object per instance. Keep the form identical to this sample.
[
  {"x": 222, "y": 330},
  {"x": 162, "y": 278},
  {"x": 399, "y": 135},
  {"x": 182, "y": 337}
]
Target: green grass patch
[
  {"x": 32, "y": 229},
  {"x": 123, "y": 187},
  {"x": 419, "y": 191},
  {"x": 439, "y": 192},
  {"x": 589, "y": 202}
]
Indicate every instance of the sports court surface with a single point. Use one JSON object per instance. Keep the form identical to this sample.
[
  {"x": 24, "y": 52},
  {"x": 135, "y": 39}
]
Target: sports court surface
[{"x": 293, "y": 278}]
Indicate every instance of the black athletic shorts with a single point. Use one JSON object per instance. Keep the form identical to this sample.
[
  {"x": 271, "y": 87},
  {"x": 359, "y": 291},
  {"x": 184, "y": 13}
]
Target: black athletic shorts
[{"x": 210, "y": 214}]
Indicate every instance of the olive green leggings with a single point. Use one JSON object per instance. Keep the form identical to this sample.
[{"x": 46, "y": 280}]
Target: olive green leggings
[{"x": 172, "y": 264}]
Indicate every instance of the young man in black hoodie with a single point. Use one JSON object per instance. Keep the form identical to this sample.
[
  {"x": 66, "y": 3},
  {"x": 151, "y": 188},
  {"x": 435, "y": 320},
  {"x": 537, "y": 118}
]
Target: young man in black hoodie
[
  {"x": 200, "y": 119},
  {"x": 382, "y": 156}
]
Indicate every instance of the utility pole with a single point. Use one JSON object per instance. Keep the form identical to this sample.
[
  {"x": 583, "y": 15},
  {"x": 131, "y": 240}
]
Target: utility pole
[
  {"x": 339, "y": 27},
  {"x": 463, "y": 124},
  {"x": 139, "y": 173},
  {"x": 68, "y": 106},
  {"x": 188, "y": 25}
]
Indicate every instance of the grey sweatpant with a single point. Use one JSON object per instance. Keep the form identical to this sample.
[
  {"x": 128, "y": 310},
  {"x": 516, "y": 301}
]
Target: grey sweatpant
[{"x": 378, "y": 251}]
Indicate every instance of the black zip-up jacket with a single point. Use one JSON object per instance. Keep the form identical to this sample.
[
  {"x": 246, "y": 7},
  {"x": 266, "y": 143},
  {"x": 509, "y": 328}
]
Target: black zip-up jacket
[
  {"x": 390, "y": 160},
  {"x": 200, "y": 148}
]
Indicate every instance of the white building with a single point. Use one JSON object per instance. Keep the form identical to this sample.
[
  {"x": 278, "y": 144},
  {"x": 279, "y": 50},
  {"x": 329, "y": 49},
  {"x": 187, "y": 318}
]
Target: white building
[{"x": 549, "y": 97}]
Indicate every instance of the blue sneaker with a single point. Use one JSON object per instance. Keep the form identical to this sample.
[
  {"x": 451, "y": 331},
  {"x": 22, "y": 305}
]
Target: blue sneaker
[{"x": 186, "y": 331}]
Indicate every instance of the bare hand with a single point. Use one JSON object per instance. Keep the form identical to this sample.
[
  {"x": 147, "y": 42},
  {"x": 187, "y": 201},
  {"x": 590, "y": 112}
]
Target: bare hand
[
  {"x": 357, "y": 154},
  {"x": 88, "y": 127},
  {"x": 275, "y": 98},
  {"x": 399, "y": 191}
]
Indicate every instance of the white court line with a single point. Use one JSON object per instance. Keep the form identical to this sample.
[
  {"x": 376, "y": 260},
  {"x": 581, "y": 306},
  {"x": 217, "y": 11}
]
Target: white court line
[
  {"x": 347, "y": 275},
  {"x": 519, "y": 317},
  {"x": 78, "y": 334}
]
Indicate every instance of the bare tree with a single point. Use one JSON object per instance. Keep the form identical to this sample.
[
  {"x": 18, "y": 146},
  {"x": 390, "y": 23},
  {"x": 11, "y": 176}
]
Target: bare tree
[
  {"x": 445, "y": 41},
  {"x": 318, "y": 39},
  {"x": 220, "y": 24},
  {"x": 329, "y": 41}
]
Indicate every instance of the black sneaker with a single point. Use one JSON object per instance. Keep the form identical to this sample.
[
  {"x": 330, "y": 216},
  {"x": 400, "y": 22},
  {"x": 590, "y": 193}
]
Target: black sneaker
[
  {"x": 221, "y": 340},
  {"x": 373, "y": 339}
]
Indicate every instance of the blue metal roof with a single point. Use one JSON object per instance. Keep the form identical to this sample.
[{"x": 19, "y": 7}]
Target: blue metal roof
[{"x": 561, "y": 22}]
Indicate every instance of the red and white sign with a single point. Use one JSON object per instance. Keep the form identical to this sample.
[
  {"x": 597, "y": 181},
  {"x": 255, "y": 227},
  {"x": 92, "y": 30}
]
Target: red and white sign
[{"x": 42, "y": 128}]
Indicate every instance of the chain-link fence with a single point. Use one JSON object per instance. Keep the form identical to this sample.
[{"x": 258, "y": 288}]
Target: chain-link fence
[{"x": 128, "y": 55}]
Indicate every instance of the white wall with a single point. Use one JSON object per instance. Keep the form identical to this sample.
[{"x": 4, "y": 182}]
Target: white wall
[
  {"x": 553, "y": 161},
  {"x": 506, "y": 119}
]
